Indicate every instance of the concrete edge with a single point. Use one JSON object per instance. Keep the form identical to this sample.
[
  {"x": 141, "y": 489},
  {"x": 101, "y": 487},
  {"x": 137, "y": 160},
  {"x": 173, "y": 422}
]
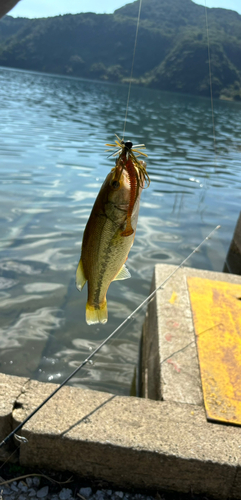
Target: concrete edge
[{"x": 129, "y": 442}]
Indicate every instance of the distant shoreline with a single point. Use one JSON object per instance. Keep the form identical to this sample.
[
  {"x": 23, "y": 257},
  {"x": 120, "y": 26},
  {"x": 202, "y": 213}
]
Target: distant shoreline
[
  {"x": 171, "y": 52},
  {"x": 123, "y": 85}
]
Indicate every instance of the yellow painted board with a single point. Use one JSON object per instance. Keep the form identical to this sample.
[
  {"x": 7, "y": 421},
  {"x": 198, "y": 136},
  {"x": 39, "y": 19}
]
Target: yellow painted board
[{"x": 216, "y": 309}]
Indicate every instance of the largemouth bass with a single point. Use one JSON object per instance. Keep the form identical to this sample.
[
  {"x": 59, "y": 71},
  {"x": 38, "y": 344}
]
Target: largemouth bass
[{"x": 109, "y": 234}]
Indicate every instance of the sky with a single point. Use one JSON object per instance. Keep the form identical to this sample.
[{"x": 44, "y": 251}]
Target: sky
[{"x": 47, "y": 8}]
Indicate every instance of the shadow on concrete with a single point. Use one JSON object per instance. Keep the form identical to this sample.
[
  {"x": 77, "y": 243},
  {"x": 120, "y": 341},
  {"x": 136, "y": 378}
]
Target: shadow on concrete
[{"x": 86, "y": 417}]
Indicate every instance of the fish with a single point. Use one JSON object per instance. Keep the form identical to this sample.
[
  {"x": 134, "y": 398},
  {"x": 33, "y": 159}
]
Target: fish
[{"x": 110, "y": 231}]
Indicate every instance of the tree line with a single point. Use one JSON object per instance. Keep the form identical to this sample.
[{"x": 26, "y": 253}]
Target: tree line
[{"x": 171, "y": 53}]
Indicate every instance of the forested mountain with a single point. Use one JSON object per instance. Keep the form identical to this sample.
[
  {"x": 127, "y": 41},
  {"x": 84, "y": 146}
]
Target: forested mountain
[{"x": 171, "y": 51}]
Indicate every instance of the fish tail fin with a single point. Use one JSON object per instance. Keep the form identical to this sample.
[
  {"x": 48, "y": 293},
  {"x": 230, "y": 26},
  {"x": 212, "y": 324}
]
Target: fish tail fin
[
  {"x": 96, "y": 314},
  {"x": 80, "y": 279}
]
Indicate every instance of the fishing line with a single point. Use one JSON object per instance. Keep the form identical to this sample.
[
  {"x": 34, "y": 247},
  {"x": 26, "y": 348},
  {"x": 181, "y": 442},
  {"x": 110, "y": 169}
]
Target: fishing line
[
  {"x": 106, "y": 340},
  {"x": 134, "y": 52},
  {"x": 210, "y": 83}
]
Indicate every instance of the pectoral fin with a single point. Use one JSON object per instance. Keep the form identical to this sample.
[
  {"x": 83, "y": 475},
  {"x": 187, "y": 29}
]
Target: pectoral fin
[
  {"x": 80, "y": 279},
  {"x": 123, "y": 274}
]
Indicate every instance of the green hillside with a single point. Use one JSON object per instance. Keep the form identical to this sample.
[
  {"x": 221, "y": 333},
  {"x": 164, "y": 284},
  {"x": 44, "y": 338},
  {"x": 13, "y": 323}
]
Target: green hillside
[{"x": 171, "y": 49}]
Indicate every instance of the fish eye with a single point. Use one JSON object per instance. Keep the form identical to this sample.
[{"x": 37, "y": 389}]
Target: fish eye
[{"x": 115, "y": 184}]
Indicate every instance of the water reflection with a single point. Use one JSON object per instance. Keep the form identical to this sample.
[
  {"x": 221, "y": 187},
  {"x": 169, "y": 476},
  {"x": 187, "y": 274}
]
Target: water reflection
[{"x": 53, "y": 161}]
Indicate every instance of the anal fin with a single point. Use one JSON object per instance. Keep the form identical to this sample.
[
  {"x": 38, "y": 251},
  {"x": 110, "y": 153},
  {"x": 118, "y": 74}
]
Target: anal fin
[{"x": 123, "y": 274}]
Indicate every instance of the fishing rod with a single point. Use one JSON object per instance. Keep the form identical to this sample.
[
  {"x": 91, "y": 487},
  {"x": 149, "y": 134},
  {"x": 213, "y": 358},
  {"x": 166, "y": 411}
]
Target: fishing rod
[{"x": 89, "y": 358}]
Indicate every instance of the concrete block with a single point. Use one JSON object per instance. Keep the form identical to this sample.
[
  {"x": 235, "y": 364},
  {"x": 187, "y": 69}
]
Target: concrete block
[
  {"x": 170, "y": 369},
  {"x": 236, "y": 488},
  {"x": 150, "y": 355},
  {"x": 130, "y": 442},
  {"x": 10, "y": 388}
]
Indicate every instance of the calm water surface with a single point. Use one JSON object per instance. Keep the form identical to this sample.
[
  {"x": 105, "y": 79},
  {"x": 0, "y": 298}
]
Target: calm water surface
[{"x": 52, "y": 164}]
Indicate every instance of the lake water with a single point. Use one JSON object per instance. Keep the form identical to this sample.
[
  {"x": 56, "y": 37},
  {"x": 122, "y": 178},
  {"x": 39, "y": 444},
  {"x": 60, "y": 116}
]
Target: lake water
[{"x": 52, "y": 162}]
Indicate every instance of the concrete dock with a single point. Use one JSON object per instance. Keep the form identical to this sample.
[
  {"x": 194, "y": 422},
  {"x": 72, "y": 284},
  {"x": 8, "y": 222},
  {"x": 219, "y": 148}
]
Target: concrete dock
[{"x": 161, "y": 441}]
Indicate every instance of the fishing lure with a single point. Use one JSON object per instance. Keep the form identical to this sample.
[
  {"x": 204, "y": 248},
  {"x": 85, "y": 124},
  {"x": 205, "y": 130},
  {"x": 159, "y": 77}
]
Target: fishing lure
[{"x": 136, "y": 171}]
